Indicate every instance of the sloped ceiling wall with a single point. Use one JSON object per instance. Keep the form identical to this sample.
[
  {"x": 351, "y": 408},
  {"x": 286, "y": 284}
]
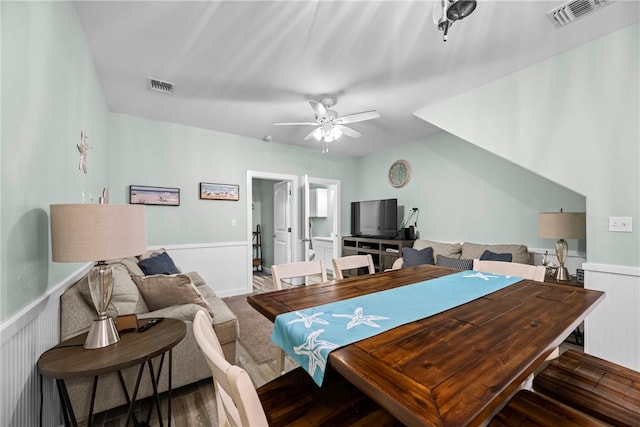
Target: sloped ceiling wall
[{"x": 573, "y": 119}]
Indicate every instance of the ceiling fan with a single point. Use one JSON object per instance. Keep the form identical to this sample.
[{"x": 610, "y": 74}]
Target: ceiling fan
[{"x": 330, "y": 126}]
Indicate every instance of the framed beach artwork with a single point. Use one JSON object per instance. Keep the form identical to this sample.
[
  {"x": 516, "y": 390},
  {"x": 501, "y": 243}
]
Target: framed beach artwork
[
  {"x": 210, "y": 191},
  {"x": 146, "y": 195}
]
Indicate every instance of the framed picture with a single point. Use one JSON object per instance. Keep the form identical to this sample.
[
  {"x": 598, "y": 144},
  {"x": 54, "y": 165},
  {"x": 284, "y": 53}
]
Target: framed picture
[
  {"x": 145, "y": 195},
  {"x": 210, "y": 191}
]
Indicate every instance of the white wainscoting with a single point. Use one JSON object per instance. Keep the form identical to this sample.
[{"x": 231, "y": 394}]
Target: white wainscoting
[
  {"x": 224, "y": 266},
  {"x": 612, "y": 330},
  {"x": 24, "y": 338}
]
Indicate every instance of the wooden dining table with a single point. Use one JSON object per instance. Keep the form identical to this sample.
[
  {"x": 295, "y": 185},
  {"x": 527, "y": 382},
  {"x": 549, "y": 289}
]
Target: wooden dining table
[{"x": 454, "y": 368}]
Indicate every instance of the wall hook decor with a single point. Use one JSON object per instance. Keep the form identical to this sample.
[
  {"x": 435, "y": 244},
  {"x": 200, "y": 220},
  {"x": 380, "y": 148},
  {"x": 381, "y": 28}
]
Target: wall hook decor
[{"x": 83, "y": 148}]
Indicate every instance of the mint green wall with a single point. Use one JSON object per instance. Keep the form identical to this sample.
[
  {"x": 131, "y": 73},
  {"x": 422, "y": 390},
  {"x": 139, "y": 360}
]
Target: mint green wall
[
  {"x": 147, "y": 152},
  {"x": 464, "y": 193},
  {"x": 50, "y": 92},
  {"x": 574, "y": 119}
]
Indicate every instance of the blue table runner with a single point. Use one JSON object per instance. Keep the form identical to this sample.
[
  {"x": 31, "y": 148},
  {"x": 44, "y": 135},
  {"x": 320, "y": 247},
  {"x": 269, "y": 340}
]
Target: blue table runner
[{"x": 309, "y": 335}]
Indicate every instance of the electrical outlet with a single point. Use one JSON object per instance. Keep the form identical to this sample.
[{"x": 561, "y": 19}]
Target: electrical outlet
[{"x": 621, "y": 224}]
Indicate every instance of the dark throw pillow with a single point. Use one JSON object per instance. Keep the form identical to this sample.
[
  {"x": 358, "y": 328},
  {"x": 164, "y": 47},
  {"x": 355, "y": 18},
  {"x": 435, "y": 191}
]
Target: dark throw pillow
[
  {"x": 492, "y": 256},
  {"x": 159, "y": 264},
  {"x": 455, "y": 263},
  {"x": 414, "y": 257}
]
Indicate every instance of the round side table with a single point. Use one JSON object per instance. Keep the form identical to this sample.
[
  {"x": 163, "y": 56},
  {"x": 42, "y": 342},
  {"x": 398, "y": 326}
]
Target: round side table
[{"x": 70, "y": 359}]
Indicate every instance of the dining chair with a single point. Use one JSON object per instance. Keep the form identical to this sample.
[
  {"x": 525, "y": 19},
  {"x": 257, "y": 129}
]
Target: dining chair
[
  {"x": 297, "y": 269},
  {"x": 526, "y": 271},
  {"x": 292, "y": 399},
  {"x": 352, "y": 261},
  {"x": 290, "y": 271}
]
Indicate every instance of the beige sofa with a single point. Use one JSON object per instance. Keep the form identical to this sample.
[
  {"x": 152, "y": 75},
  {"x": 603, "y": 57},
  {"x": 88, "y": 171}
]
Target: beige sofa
[
  {"x": 76, "y": 315},
  {"x": 466, "y": 250}
]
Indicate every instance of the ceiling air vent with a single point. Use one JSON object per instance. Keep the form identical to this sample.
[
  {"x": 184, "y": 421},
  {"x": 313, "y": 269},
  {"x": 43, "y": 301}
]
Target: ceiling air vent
[
  {"x": 160, "y": 86},
  {"x": 574, "y": 9}
]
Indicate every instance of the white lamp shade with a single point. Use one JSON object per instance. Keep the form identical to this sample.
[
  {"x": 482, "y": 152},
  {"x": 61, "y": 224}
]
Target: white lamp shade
[
  {"x": 562, "y": 225},
  {"x": 97, "y": 232}
]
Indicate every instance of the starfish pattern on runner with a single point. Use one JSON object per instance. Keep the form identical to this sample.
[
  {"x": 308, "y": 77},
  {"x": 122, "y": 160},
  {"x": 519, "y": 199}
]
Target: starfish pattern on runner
[
  {"x": 482, "y": 275},
  {"x": 308, "y": 320},
  {"x": 312, "y": 348},
  {"x": 357, "y": 318}
]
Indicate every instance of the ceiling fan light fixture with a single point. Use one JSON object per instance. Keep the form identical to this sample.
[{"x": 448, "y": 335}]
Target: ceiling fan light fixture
[{"x": 331, "y": 126}]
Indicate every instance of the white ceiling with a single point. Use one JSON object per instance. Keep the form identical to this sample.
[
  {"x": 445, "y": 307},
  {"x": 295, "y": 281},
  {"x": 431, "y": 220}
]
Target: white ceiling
[{"x": 240, "y": 66}]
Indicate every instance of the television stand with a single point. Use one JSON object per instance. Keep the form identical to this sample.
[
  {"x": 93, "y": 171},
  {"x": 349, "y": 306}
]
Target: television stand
[{"x": 383, "y": 251}]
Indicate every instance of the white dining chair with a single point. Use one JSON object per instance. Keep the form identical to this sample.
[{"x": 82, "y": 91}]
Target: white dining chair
[
  {"x": 290, "y": 271},
  {"x": 350, "y": 262},
  {"x": 297, "y": 269},
  {"x": 237, "y": 402},
  {"x": 526, "y": 271},
  {"x": 292, "y": 399}
]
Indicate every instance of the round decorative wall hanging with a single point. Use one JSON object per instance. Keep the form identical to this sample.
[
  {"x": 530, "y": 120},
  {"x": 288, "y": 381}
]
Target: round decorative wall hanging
[{"x": 399, "y": 173}]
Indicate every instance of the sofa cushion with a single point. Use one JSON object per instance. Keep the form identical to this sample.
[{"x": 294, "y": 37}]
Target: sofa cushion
[
  {"x": 492, "y": 256},
  {"x": 225, "y": 322},
  {"x": 130, "y": 263},
  {"x": 413, "y": 257},
  {"x": 151, "y": 253},
  {"x": 125, "y": 298},
  {"x": 520, "y": 253},
  {"x": 161, "y": 291},
  {"x": 159, "y": 264},
  {"x": 186, "y": 312},
  {"x": 451, "y": 250},
  {"x": 197, "y": 280},
  {"x": 455, "y": 263}
]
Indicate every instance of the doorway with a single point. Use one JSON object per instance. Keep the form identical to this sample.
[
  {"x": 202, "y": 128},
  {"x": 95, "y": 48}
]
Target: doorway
[
  {"x": 260, "y": 210},
  {"x": 321, "y": 221}
]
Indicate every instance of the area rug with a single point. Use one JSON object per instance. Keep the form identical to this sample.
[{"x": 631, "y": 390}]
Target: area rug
[{"x": 255, "y": 329}]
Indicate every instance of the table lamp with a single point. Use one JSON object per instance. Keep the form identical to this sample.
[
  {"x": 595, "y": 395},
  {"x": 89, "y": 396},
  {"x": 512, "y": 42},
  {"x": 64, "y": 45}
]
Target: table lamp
[
  {"x": 98, "y": 232},
  {"x": 562, "y": 225}
]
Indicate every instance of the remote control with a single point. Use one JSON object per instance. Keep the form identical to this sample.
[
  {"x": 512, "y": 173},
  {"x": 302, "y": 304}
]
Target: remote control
[{"x": 149, "y": 324}]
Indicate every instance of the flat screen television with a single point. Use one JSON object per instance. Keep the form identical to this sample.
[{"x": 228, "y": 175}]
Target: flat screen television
[{"x": 375, "y": 218}]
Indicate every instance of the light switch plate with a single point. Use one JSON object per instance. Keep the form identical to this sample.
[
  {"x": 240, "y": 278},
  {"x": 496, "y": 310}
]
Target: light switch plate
[{"x": 621, "y": 223}]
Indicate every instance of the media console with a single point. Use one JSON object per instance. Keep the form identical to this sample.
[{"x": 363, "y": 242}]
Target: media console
[{"x": 383, "y": 251}]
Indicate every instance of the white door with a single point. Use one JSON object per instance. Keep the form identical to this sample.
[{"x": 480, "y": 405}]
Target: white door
[
  {"x": 333, "y": 192},
  {"x": 282, "y": 222},
  {"x": 306, "y": 225}
]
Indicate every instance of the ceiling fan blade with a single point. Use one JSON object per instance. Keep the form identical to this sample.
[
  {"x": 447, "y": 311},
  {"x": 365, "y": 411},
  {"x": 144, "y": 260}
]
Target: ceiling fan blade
[
  {"x": 349, "y": 131},
  {"x": 313, "y": 134},
  {"x": 358, "y": 117},
  {"x": 296, "y": 123},
  {"x": 318, "y": 108}
]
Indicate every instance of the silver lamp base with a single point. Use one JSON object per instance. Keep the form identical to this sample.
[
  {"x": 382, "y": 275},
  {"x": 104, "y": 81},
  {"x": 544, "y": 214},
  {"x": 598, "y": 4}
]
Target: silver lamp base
[
  {"x": 561, "y": 253},
  {"x": 103, "y": 333},
  {"x": 563, "y": 274}
]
